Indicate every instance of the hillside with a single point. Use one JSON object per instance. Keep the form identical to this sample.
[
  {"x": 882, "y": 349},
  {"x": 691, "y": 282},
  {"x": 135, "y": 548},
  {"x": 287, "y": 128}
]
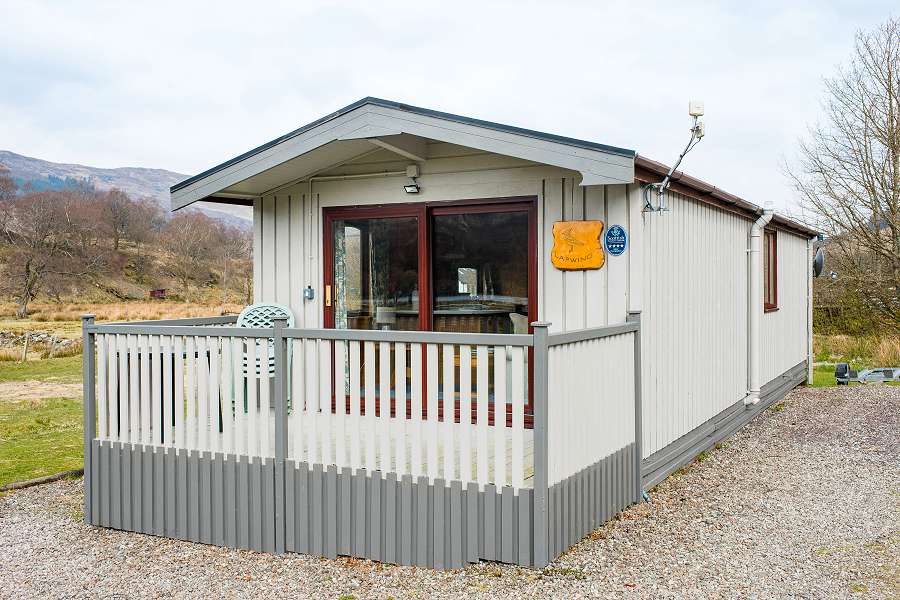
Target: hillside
[{"x": 137, "y": 182}]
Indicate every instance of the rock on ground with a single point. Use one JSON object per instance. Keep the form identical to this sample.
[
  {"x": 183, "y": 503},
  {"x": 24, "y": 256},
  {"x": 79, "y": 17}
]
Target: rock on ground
[{"x": 804, "y": 502}]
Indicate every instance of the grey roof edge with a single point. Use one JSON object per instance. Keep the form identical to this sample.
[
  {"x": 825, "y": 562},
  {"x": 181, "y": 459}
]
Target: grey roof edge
[
  {"x": 644, "y": 166},
  {"x": 412, "y": 109}
]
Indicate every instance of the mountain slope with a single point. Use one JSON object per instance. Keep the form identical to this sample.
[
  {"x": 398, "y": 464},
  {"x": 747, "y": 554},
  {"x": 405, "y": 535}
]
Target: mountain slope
[{"x": 137, "y": 182}]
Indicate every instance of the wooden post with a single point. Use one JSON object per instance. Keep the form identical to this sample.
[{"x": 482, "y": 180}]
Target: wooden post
[
  {"x": 541, "y": 488},
  {"x": 280, "y": 430},
  {"x": 89, "y": 408}
]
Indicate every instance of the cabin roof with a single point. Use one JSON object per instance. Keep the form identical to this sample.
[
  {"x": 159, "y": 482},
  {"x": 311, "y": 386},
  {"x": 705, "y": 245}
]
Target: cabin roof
[{"x": 370, "y": 122}]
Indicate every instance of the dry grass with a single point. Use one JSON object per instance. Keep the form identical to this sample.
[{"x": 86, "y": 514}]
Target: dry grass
[
  {"x": 65, "y": 319},
  {"x": 881, "y": 351},
  {"x": 123, "y": 311},
  {"x": 10, "y": 354}
]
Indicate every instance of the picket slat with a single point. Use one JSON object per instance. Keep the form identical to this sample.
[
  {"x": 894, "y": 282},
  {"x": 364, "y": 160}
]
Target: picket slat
[
  {"x": 369, "y": 428},
  {"x": 324, "y": 395},
  {"x": 500, "y": 478},
  {"x": 481, "y": 383},
  {"x": 238, "y": 397},
  {"x": 263, "y": 413},
  {"x": 298, "y": 402},
  {"x": 155, "y": 407},
  {"x": 517, "y": 397},
  {"x": 251, "y": 410},
  {"x": 384, "y": 406},
  {"x": 311, "y": 358},
  {"x": 102, "y": 383},
  {"x": 400, "y": 430},
  {"x": 465, "y": 414},
  {"x": 431, "y": 389},
  {"x": 449, "y": 401},
  {"x": 168, "y": 381},
  {"x": 122, "y": 405},
  {"x": 227, "y": 393},
  {"x": 180, "y": 433},
  {"x": 190, "y": 389},
  {"x": 202, "y": 394},
  {"x": 141, "y": 360},
  {"x": 354, "y": 421},
  {"x": 416, "y": 450},
  {"x": 133, "y": 391},
  {"x": 340, "y": 410},
  {"x": 215, "y": 443}
]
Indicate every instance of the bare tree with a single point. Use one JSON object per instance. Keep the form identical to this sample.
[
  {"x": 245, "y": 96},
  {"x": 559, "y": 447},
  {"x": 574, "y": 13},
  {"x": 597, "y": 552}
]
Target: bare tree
[
  {"x": 8, "y": 191},
  {"x": 234, "y": 248},
  {"x": 849, "y": 169},
  {"x": 189, "y": 239},
  {"x": 118, "y": 214},
  {"x": 43, "y": 245}
]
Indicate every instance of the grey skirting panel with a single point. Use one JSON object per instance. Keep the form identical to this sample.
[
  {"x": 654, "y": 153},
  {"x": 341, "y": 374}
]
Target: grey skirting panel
[
  {"x": 589, "y": 498},
  {"x": 231, "y": 501},
  {"x": 194, "y": 496},
  {"x": 662, "y": 463},
  {"x": 404, "y": 521}
]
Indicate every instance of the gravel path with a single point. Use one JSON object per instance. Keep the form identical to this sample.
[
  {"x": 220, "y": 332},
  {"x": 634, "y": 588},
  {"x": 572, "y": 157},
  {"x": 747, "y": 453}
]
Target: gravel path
[{"x": 804, "y": 502}]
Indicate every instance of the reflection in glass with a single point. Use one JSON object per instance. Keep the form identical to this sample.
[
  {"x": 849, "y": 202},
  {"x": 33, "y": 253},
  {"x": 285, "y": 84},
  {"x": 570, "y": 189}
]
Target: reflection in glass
[
  {"x": 480, "y": 272},
  {"x": 376, "y": 273}
]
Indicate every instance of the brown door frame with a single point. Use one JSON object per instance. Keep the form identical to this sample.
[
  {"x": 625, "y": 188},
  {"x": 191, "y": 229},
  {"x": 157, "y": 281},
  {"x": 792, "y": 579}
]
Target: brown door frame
[{"x": 424, "y": 212}]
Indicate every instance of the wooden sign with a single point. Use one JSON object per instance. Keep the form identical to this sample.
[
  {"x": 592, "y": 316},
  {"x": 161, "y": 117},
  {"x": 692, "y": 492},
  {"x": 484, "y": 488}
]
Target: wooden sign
[{"x": 576, "y": 245}]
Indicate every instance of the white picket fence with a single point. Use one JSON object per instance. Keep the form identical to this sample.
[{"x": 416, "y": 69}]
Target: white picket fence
[
  {"x": 393, "y": 405},
  {"x": 591, "y": 402}
]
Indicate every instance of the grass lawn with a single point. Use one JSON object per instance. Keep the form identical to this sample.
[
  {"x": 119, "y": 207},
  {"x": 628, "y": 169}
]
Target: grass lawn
[
  {"x": 40, "y": 436},
  {"x": 57, "y": 370}
]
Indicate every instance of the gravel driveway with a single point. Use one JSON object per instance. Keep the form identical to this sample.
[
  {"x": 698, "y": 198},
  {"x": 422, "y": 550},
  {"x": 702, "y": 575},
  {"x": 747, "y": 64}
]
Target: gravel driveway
[{"x": 804, "y": 502}]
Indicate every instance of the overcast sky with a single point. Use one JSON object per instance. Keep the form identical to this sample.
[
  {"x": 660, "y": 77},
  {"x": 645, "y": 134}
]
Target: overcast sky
[{"x": 184, "y": 86}]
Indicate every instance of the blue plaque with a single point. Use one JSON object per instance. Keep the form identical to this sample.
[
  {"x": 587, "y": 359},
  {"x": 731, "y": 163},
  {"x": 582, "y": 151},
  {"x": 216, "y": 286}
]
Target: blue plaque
[{"x": 616, "y": 240}]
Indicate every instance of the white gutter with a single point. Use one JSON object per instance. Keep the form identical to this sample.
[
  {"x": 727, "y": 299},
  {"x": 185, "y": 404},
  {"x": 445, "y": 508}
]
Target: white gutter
[{"x": 755, "y": 306}]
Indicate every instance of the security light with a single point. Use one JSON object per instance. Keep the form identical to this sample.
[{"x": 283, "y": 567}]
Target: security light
[
  {"x": 695, "y": 108},
  {"x": 412, "y": 171},
  {"x": 412, "y": 187}
]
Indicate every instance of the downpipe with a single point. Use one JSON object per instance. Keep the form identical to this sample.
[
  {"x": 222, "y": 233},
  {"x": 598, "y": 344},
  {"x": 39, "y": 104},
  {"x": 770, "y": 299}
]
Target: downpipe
[{"x": 754, "y": 306}]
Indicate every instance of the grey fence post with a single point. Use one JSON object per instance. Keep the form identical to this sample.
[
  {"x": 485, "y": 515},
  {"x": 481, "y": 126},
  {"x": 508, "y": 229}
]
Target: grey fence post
[
  {"x": 89, "y": 407},
  {"x": 635, "y": 317},
  {"x": 280, "y": 431},
  {"x": 541, "y": 516}
]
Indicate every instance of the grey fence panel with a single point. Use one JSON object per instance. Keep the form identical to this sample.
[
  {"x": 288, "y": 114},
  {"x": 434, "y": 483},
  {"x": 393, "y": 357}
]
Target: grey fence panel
[
  {"x": 181, "y": 477},
  {"x": 331, "y": 508},
  {"x": 171, "y": 525},
  {"x": 128, "y": 501},
  {"x": 213, "y": 499},
  {"x": 581, "y": 502},
  {"x": 229, "y": 503}
]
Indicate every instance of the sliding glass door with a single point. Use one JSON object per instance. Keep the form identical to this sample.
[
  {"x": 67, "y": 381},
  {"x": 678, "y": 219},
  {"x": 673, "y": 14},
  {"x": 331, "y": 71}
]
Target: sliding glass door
[
  {"x": 461, "y": 267},
  {"x": 452, "y": 267}
]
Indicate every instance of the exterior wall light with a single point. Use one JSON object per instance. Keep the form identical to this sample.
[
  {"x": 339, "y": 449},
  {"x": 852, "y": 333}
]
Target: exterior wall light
[{"x": 412, "y": 171}]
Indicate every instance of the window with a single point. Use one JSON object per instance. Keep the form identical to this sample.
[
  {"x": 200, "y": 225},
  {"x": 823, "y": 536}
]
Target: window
[{"x": 770, "y": 271}]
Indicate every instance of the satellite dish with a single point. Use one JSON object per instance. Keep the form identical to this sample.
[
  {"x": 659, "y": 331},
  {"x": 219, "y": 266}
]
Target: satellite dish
[{"x": 819, "y": 262}]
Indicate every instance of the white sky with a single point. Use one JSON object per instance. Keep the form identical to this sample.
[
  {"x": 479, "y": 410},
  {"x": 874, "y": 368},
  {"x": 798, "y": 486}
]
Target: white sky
[{"x": 184, "y": 85}]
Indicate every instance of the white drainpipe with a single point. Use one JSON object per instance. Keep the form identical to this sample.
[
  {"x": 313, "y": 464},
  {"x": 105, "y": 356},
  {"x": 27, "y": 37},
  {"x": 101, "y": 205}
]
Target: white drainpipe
[{"x": 754, "y": 306}]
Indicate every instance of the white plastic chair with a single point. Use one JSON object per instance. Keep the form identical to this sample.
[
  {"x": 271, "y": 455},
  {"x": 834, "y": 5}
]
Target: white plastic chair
[{"x": 263, "y": 316}]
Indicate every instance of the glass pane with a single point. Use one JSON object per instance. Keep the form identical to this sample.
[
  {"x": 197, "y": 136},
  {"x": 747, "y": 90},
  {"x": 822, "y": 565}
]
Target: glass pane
[
  {"x": 480, "y": 272},
  {"x": 376, "y": 273}
]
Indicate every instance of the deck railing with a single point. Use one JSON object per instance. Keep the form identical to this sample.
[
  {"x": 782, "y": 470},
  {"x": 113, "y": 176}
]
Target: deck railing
[
  {"x": 380, "y": 400},
  {"x": 523, "y": 412}
]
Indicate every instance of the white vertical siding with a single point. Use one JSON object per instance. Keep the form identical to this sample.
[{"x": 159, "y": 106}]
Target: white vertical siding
[
  {"x": 694, "y": 317},
  {"x": 694, "y": 300},
  {"x": 288, "y": 233},
  {"x": 783, "y": 336}
]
